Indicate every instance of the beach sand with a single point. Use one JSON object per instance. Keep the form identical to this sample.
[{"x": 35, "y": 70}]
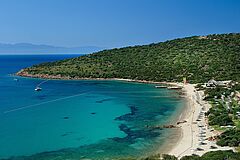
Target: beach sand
[
  {"x": 188, "y": 136},
  {"x": 195, "y": 131}
]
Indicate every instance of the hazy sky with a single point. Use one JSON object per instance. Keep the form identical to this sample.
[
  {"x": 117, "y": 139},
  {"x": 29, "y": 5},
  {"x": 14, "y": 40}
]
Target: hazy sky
[{"x": 113, "y": 23}]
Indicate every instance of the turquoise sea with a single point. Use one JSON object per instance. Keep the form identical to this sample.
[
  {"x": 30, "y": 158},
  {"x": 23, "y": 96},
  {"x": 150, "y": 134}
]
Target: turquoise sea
[{"x": 79, "y": 118}]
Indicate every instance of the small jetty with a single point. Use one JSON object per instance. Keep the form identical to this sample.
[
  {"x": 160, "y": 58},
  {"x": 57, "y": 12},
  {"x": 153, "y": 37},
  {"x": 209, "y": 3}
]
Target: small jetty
[
  {"x": 175, "y": 87},
  {"x": 161, "y": 86},
  {"x": 170, "y": 86}
]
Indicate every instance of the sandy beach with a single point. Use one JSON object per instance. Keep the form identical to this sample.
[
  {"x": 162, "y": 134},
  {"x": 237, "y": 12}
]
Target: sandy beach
[{"x": 195, "y": 131}]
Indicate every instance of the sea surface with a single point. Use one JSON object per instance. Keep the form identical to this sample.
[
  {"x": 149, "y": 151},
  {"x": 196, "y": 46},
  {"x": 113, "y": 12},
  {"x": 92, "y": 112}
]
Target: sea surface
[{"x": 77, "y": 119}]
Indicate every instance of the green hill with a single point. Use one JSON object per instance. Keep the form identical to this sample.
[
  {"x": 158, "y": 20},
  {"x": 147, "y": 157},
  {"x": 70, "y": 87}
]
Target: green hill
[{"x": 197, "y": 58}]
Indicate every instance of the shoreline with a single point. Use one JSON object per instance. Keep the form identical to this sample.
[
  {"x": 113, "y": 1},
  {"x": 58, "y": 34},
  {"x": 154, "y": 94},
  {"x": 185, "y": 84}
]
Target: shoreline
[
  {"x": 184, "y": 142},
  {"x": 22, "y": 73},
  {"x": 176, "y": 134},
  {"x": 196, "y": 131},
  {"x": 185, "y": 138}
]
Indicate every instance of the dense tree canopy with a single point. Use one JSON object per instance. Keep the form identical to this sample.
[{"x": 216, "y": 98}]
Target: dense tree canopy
[
  {"x": 196, "y": 58},
  {"x": 213, "y": 155},
  {"x": 230, "y": 138}
]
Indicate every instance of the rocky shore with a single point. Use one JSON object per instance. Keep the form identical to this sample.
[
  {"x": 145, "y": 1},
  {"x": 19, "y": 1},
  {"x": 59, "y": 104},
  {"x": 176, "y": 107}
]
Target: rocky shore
[{"x": 24, "y": 73}]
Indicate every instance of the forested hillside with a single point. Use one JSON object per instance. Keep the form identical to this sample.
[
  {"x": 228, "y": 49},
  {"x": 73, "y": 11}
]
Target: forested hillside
[{"x": 197, "y": 58}]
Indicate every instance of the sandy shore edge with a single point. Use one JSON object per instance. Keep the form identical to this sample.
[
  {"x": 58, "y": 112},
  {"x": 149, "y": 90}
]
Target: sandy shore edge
[
  {"x": 186, "y": 140},
  {"x": 176, "y": 134},
  {"x": 196, "y": 131}
]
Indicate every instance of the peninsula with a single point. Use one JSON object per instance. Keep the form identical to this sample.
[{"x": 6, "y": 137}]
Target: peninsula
[{"x": 196, "y": 60}]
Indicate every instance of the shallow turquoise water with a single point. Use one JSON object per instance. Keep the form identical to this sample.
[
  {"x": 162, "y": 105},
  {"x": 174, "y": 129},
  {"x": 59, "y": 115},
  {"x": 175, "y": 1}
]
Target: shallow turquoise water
[{"x": 74, "y": 119}]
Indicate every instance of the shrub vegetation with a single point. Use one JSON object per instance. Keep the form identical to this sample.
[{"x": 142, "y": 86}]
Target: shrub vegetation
[{"x": 196, "y": 58}]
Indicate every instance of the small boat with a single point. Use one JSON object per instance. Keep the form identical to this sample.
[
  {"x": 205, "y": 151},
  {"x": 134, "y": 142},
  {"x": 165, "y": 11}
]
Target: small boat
[
  {"x": 15, "y": 79},
  {"x": 38, "y": 86},
  {"x": 38, "y": 89}
]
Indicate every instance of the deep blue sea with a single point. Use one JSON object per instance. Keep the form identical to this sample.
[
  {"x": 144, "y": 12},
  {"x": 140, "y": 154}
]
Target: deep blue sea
[{"x": 77, "y": 119}]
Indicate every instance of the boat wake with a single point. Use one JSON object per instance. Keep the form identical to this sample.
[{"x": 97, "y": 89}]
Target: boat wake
[{"x": 33, "y": 105}]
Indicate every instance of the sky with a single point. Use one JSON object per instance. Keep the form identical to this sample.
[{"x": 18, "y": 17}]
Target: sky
[{"x": 113, "y": 23}]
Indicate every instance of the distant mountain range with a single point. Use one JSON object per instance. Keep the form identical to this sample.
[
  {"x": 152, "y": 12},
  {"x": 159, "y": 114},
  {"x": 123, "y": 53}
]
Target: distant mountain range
[{"x": 34, "y": 48}]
